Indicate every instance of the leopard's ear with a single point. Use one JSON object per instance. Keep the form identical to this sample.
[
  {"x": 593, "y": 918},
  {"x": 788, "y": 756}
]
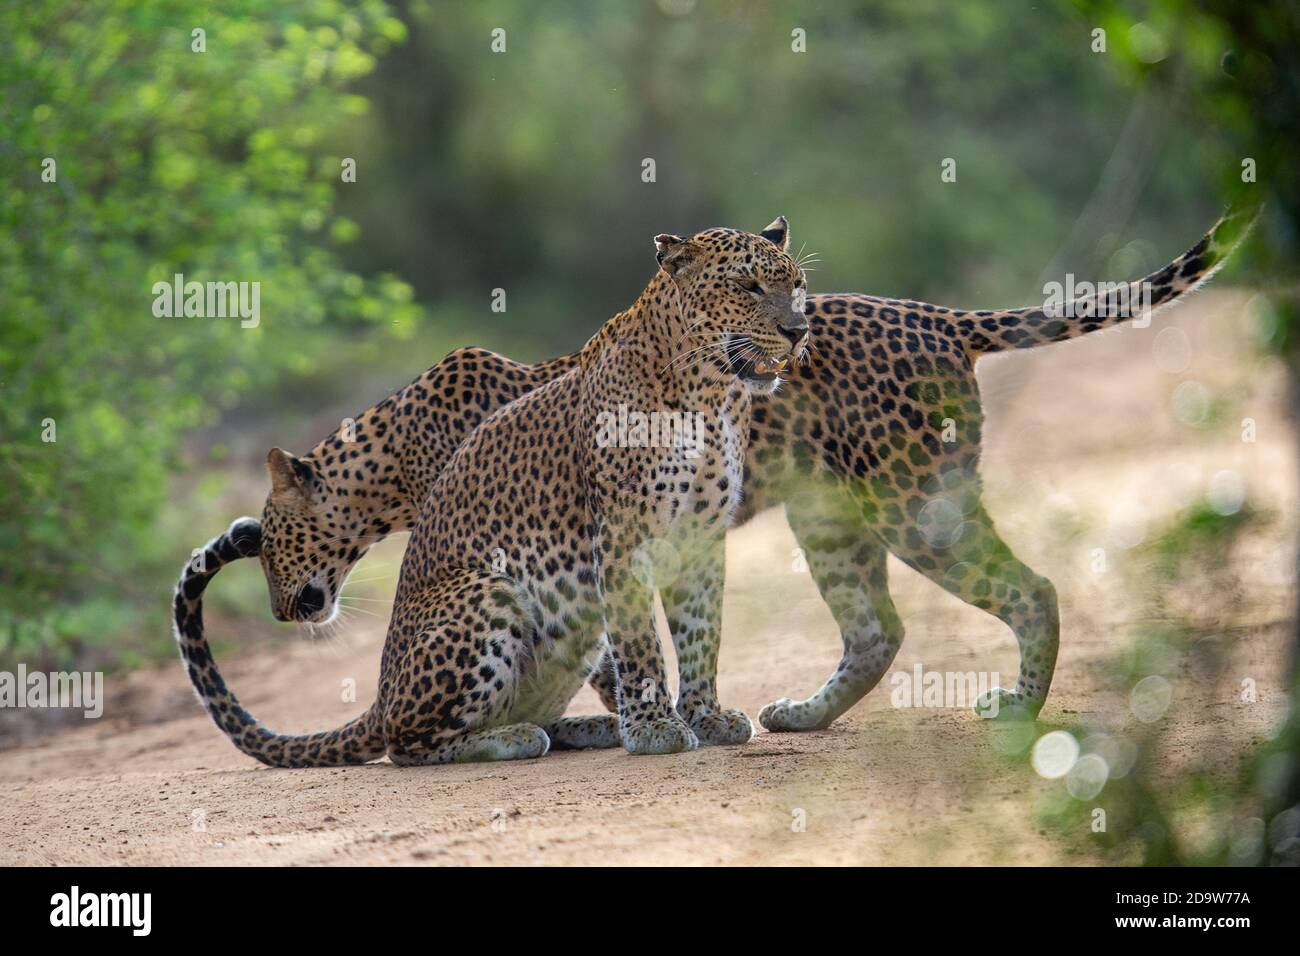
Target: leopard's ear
[
  {"x": 675, "y": 254},
  {"x": 289, "y": 475},
  {"x": 777, "y": 232}
]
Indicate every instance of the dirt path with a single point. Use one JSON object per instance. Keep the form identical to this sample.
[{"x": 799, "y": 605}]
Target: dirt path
[{"x": 1077, "y": 436}]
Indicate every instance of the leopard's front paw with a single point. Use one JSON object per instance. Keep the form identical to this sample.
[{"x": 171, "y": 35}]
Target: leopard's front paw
[
  {"x": 722, "y": 728},
  {"x": 658, "y": 735},
  {"x": 793, "y": 715},
  {"x": 1007, "y": 705}
]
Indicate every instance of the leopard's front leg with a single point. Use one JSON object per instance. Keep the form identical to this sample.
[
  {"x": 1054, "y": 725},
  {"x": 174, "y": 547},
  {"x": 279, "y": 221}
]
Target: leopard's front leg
[
  {"x": 647, "y": 722},
  {"x": 693, "y": 605}
]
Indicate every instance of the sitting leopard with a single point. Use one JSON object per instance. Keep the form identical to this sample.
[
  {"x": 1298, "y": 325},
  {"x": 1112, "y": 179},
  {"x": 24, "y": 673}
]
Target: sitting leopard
[
  {"x": 539, "y": 543},
  {"x": 853, "y": 445}
]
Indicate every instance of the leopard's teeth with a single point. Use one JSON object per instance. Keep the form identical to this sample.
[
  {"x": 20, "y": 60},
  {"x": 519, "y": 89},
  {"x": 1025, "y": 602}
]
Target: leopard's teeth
[{"x": 769, "y": 365}]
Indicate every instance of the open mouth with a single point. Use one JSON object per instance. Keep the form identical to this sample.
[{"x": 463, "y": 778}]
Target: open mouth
[
  {"x": 749, "y": 367},
  {"x": 764, "y": 368}
]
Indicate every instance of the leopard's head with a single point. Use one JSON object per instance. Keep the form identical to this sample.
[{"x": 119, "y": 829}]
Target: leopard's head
[
  {"x": 313, "y": 534},
  {"x": 742, "y": 301}
]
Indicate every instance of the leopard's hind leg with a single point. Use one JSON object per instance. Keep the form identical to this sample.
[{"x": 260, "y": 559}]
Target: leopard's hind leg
[
  {"x": 459, "y": 649},
  {"x": 953, "y": 542}
]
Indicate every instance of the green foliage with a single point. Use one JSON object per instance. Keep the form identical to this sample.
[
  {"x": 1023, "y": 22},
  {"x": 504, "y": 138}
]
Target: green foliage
[
  {"x": 1156, "y": 815},
  {"x": 478, "y": 170},
  {"x": 1200, "y": 540},
  {"x": 1239, "y": 66},
  {"x": 167, "y": 161},
  {"x": 524, "y": 169},
  {"x": 474, "y": 171}
]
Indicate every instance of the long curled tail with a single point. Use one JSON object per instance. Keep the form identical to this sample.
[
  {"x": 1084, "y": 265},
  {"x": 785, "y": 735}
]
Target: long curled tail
[
  {"x": 357, "y": 741},
  {"x": 1106, "y": 305}
]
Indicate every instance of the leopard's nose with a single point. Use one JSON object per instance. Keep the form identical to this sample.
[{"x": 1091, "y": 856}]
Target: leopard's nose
[
  {"x": 311, "y": 600},
  {"x": 796, "y": 335}
]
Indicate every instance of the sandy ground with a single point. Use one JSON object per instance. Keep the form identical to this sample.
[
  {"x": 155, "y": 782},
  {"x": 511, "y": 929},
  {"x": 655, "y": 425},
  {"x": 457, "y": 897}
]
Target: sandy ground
[{"x": 1084, "y": 451}]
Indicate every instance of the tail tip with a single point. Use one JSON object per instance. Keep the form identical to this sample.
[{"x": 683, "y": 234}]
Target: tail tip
[{"x": 246, "y": 535}]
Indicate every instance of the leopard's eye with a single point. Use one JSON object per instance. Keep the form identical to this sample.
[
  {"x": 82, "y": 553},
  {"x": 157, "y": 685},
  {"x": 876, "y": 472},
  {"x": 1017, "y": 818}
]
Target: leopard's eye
[{"x": 748, "y": 284}]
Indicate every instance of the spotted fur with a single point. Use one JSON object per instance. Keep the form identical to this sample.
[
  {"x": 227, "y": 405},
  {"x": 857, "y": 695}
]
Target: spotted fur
[
  {"x": 537, "y": 546},
  {"x": 851, "y": 445},
  {"x": 855, "y": 448}
]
